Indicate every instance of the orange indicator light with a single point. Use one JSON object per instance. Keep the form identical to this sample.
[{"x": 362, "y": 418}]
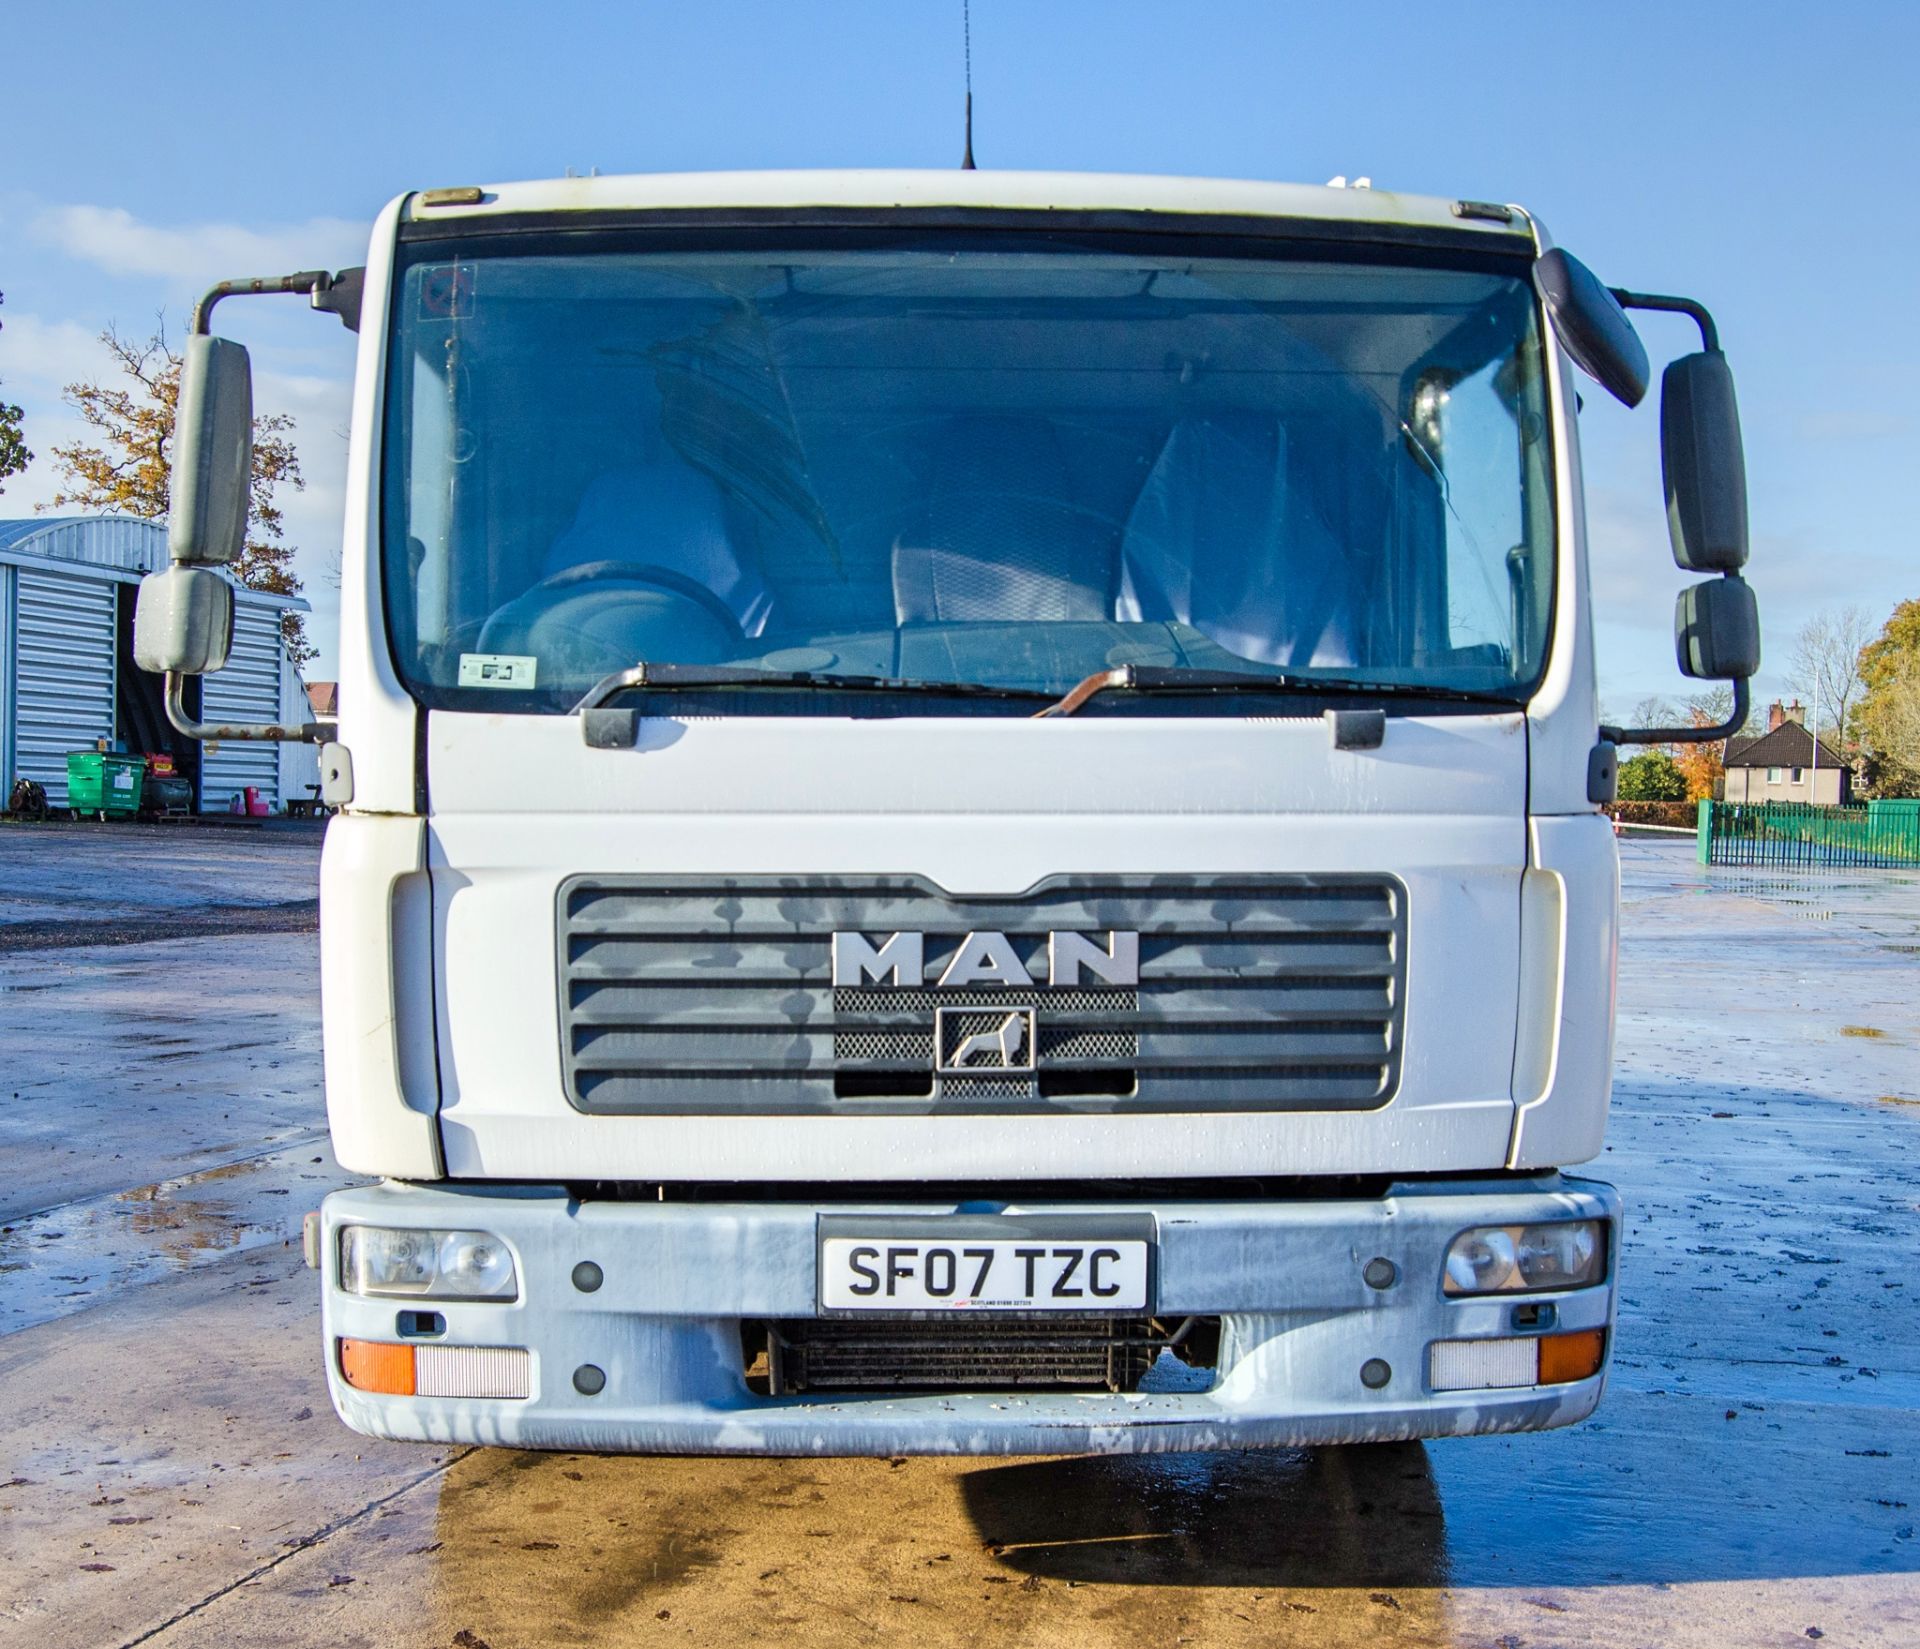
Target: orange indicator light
[
  {"x": 1565, "y": 1357},
  {"x": 369, "y": 1365}
]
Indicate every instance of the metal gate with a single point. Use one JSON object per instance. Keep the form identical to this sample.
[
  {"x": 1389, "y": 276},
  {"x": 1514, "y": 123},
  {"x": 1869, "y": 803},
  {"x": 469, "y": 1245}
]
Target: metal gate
[
  {"x": 1805, "y": 836},
  {"x": 247, "y": 690},
  {"x": 65, "y": 632}
]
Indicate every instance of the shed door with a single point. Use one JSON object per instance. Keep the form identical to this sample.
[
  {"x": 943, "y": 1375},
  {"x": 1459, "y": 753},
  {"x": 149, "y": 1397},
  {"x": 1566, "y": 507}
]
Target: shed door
[
  {"x": 247, "y": 690},
  {"x": 64, "y": 675}
]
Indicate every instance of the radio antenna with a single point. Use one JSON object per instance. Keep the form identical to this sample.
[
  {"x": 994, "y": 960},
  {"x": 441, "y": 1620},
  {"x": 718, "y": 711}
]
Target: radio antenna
[{"x": 966, "y": 27}]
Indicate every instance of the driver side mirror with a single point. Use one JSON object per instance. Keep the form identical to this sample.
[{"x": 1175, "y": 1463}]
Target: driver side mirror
[
  {"x": 183, "y": 622},
  {"x": 212, "y": 454}
]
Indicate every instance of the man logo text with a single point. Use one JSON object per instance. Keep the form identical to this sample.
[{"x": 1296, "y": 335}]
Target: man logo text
[{"x": 899, "y": 962}]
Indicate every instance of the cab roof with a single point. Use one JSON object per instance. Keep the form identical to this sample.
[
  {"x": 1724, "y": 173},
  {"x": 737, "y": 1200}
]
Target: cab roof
[{"x": 1108, "y": 196}]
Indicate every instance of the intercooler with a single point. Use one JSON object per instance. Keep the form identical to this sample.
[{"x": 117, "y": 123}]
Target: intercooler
[{"x": 969, "y": 1354}]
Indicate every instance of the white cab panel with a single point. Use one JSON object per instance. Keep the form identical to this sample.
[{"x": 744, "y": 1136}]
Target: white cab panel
[
  {"x": 376, "y": 972},
  {"x": 989, "y": 806},
  {"x": 1569, "y": 956}
]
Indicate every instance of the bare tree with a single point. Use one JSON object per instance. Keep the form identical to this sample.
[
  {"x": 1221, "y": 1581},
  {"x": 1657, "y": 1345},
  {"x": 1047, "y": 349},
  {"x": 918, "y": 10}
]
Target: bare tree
[
  {"x": 1826, "y": 663},
  {"x": 1655, "y": 711}
]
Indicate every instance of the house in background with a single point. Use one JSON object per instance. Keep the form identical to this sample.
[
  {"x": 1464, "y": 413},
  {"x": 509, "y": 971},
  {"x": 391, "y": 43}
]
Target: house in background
[{"x": 1786, "y": 763}]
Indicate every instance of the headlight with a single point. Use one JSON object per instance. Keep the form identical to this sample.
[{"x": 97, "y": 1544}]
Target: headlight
[
  {"x": 1514, "y": 1259},
  {"x": 426, "y": 1265}
]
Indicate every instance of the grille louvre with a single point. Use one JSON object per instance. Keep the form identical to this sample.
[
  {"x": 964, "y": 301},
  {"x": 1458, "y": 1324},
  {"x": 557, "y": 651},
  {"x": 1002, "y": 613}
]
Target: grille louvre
[{"x": 697, "y": 996}]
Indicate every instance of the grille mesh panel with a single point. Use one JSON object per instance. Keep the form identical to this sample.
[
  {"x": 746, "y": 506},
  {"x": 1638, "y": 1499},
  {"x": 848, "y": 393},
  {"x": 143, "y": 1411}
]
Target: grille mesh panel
[
  {"x": 992, "y": 1354},
  {"x": 696, "y": 996},
  {"x": 986, "y": 1087}
]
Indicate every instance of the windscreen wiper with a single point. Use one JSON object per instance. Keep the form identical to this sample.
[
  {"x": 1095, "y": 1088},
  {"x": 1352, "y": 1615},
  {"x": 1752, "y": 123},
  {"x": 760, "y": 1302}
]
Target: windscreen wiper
[
  {"x": 614, "y": 728},
  {"x": 1160, "y": 678}
]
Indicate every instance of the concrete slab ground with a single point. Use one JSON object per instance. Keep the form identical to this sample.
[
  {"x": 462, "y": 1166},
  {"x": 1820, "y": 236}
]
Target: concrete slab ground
[
  {"x": 117, "y": 882},
  {"x": 170, "y": 1471}
]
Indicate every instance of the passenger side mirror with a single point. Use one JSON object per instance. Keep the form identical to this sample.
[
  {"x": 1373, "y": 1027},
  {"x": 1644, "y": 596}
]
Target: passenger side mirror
[
  {"x": 1704, "y": 464},
  {"x": 183, "y": 621},
  {"x": 1591, "y": 326},
  {"x": 1716, "y": 630},
  {"x": 1716, "y": 625},
  {"x": 212, "y": 454}
]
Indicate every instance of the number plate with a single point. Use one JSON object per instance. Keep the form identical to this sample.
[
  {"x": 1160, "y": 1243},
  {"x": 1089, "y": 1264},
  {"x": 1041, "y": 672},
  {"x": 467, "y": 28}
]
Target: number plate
[{"x": 985, "y": 1264}]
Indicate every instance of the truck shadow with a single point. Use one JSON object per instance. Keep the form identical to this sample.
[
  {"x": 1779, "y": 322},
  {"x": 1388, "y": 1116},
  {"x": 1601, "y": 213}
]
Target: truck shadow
[
  {"x": 1667, "y": 1491},
  {"x": 1367, "y": 1516}
]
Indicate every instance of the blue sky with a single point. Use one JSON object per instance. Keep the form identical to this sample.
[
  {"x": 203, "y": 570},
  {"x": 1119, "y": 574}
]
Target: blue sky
[{"x": 1759, "y": 156}]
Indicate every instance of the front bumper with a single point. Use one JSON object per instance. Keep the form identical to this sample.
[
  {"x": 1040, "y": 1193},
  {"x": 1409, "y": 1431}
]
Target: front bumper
[{"x": 1298, "y": 1323}]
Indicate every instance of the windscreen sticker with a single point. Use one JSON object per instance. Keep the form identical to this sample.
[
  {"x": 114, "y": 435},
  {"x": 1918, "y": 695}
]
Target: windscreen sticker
[
  {"x": 497, "y": 670},
  {"x": 446, "y": 291}
]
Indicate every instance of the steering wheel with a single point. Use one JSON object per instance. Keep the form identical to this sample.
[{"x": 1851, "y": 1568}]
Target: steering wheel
[{"x": 639, "y": 572}]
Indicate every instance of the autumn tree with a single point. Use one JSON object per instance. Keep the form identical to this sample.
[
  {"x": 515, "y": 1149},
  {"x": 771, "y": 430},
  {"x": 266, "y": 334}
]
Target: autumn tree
[
  {"x": 130, "y": 470},
  {"x": 14, "y": 456},
  {"x": 1887, "y": 720},
  {"x": 1704, "y": 765}
]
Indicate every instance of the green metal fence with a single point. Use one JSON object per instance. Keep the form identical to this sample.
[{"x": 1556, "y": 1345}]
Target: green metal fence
[{"x": 1801, "y": 835}]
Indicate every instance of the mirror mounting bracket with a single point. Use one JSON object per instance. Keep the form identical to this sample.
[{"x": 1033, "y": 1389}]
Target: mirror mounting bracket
[
  {"x": 1702, "y": 317},
  {"x": 1687, "y": 735},
  {"x": 1709, "y": 333},
  {"x": 311, "y": 732},
  {"x": 336, "y": 294}
]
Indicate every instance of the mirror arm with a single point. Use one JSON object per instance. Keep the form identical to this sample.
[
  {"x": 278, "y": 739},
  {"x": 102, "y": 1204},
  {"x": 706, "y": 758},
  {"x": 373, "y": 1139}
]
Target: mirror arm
[
  {"x": 1686, "y": 735},
  {"x": 1709, "y": 333},
  {"x": 312, "y": 732},
  {"x": 344, "y": 288}
]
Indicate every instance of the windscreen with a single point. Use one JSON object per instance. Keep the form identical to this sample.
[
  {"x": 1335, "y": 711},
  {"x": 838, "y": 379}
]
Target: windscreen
[{"x": 1008, "y": 462}]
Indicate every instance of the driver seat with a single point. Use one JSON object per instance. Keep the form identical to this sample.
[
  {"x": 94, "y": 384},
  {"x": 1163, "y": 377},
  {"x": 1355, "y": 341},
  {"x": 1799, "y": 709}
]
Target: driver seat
[{"x": 1002, "y": 540}]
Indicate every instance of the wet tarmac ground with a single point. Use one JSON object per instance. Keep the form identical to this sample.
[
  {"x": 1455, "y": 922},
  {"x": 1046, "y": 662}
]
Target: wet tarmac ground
[{"x": 171, "y": 1473}]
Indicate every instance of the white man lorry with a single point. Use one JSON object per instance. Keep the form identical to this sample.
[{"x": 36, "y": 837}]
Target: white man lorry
[{"x": 969, "y": 809}]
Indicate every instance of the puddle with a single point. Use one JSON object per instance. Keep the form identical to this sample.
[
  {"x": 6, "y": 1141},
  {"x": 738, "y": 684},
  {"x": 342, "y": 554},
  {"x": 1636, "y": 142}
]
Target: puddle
[{"x": 71, "y": 1258}]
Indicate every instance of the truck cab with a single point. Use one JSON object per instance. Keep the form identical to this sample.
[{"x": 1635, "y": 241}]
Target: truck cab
[{"x": 970, "y": 813}]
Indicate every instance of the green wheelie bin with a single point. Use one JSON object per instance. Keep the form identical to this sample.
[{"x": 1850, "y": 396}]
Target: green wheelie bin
[{"x": 105, "y": 784}]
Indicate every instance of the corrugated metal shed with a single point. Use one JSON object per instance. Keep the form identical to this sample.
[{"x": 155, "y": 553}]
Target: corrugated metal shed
[
  {"x": 123, "y": 542},
  {"x": 66, "y": 626},
  {"x": 66, "y": 587}
]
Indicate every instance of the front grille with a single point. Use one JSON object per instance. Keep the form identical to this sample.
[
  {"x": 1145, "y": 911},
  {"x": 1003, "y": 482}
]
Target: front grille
[
  {"x": 971, "y": 1354},
  {"x": 717, "y": 996}
]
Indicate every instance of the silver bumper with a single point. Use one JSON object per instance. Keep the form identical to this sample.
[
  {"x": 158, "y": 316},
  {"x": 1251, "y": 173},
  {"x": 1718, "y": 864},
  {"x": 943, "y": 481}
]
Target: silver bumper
[{"x": 1298, "y": 1323}]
